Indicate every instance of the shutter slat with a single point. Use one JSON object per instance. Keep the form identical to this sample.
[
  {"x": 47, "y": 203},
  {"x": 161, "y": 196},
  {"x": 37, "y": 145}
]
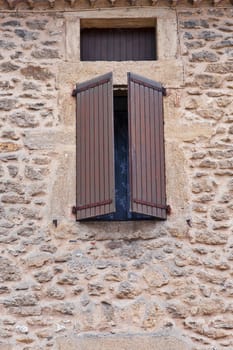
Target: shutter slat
[
  {"x": 95, "y": 147},
  {"x": 146, "y": 143}
]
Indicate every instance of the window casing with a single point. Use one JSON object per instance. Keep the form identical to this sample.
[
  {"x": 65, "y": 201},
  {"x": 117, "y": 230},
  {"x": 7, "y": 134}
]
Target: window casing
[{"x": 95, "y": 148}]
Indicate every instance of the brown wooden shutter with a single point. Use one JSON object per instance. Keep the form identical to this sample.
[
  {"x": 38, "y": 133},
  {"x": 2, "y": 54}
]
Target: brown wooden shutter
[
  {"x": 146, "y": 147},
  {"x": 118, "y": 44},
  {"x": 95, "y": 148}
]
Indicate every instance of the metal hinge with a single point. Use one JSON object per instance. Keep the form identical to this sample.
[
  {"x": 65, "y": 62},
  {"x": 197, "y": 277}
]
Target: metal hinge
[
  {"x": 74, "y": 210},
  {"x": 74, "y": 92}
]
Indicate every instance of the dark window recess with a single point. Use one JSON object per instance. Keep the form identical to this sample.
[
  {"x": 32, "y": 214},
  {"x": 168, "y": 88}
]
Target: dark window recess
[
  {"x": 114, "y": 44},
  {"x": 120, "y": 150},
  {"x": 121, "y": 154}
]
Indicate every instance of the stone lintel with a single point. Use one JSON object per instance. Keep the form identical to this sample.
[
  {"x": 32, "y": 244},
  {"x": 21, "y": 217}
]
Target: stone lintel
[{"x": 169, "y": 72}]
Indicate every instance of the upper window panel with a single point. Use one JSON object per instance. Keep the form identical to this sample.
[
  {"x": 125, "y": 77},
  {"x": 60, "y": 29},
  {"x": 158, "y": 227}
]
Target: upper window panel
[{"x": 118, "y": 44}]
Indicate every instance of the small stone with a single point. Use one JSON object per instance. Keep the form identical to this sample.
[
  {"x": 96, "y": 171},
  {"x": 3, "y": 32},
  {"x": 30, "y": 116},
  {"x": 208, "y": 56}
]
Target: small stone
[
  {"x": 209, "y": 35},
  {"x": 11, "y": 23},
  {"x": 36, "y": 106},
  {"x": 48, "y": 248},
  {"x": 113, "y": 276},
  {"x": 7, "y": 45},
  {"x": 44, "y": 276},
  {"x": 195, "y": 44},
  {"x": 198, "y": 155},
  {"x": 66, "y": 308},
  {"x": 7, "y": 104},
  {"x": 219, "y": 213},
  {"x": 126, "y": 290},
  {"x": 25, "y": 340},
  {"x": 44, "y": 333},
  {"x": 7, "y": 67},
  {"x": 220, "y": 68},
  {"x": 224, "y": 101},
  {"x": 67, "y": 279},
  {"x": 23, "y": 286},
  {"x": 26, "y": 35},
  {"x": 5, "y": 85},
  {"x": 45, "y": 54},
  {"x": 33, "y": 173},
  {"x": 208, "y": 81},
  {"x": 156, "y": 277},
  {"x": 62, "y": 258},
  {"x": 95, "y": 288},
  {"x": 10, "y": 134},
  {"x": 14, "y": 199},
  {"x": 13, "y": 170},
  {"x": 177, "y": 310},
  {"x": 22, "y": 329},
  {"x": 29, "y": 85},
  {"x": 207, "y": 163},
  {"x": 212, "y": 238},
  {"x": 38, "y": 260},
  {"x": 26, "y": 311},
  {"x": 23, "y": 119},
  {"x": 59, "y": 328},
  {"x": 25, "y": 299},
  {"x": 222, "y": 323},
  {"x": 222, "y": 44},
  {"x": 9, "y": 147},
  {"x": 55, "y": 292},
  {"x": 204, "y": 56},
  {"x": 79, "y": 289},
  {"x": 37, "y": 24},
  {"x": 191, "y": 104},
  {"x": 226, "y": 164},
  {"x": 1, "y": 171},
  {"x": 17, "y": 54},
  {"x": 195, "y": 23},
  {"x": 36, "y": 72},
  {"x": 4, "y": 289}
]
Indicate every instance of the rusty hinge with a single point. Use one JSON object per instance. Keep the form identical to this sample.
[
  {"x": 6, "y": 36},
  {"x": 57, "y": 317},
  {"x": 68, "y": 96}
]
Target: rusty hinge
[
  {"x": 164, "y": 91},
  {"x": 154, "y": 205},
  {"x": 91, "y": 205},
  {"x": 74, "y": 210},
  {"x": 74, "y": 92},
  {"x": 168, "y": 209}
]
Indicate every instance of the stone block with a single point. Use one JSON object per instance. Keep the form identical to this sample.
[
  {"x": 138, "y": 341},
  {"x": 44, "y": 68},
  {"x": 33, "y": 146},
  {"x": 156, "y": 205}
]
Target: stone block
[
  {"x": 6, "y": 347},
  {"x": 126, "y": 342}
]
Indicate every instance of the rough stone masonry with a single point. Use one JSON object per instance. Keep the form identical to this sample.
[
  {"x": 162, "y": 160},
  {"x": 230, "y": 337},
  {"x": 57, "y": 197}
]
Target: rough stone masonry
[{"x": 170, "y": 279}]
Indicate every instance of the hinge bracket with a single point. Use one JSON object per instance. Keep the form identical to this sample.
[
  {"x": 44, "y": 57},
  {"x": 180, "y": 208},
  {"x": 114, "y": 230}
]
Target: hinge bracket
[
  {"x": 164, "y": 91},
  {"x": 74, "y": 210}
]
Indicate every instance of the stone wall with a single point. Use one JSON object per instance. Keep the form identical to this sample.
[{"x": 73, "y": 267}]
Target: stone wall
[{"x": 63, "y": 278}]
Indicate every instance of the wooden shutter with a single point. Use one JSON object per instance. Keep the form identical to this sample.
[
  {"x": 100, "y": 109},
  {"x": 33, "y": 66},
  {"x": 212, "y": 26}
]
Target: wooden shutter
[
  {"x": 118, "y": 44},
  {"x": 146, "y": 147},
  {"x": 95, "y": 148}
]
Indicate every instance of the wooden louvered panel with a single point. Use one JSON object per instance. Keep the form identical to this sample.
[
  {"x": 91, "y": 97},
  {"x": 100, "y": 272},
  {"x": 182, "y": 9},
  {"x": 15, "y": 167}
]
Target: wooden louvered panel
[
  {"x": 146, "y": 142},
  {"x": 114, "y": 44},
  {"x": 95, "y": 147}
]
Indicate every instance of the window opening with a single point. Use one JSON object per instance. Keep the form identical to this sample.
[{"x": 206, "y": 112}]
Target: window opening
[
  {"x": 118, "y": 44},
  {"x": 115, "y": 130}
]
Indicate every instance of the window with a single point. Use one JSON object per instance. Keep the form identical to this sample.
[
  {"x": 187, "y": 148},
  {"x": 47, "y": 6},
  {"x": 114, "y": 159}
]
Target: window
[
  {"x": 118, "y": 44},
  {"x": 129, "y": 181}
]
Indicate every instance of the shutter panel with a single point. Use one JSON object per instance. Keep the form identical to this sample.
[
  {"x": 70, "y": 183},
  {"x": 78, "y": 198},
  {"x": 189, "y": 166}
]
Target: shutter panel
[
  {"x": 146, "y": 147},
  {"x": 95, "y": 148}
]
